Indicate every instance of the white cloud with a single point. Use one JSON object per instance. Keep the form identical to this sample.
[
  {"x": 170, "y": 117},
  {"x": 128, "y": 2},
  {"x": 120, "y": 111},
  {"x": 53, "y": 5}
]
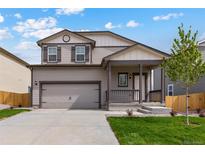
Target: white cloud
[
  {"x": 5, "y": 34},
  {"x": 30, "y": 56},
  {"x": 38, "y": 28},
  {"x": 41, "y": 33},
  {"x": 31, "y": 24},
  {"x": 28, "y": 51},
  {"x": 69, "y": 11},
  {"x": 109, "y": 25},
  {"x": 132, "y": 23},
  {"x": 1, "y": 18},
  {"x": 84, "y": 30},
  {"x": 18, "y": 15},
  {"x": 44, "y": 10},
  {"x": 26, "y": 45},
  {"x": 168, "y": 16}
]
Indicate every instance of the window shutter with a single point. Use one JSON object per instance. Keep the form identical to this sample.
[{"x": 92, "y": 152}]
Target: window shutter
[
  {"x": 86, "y": 53},
  {"x": 45, "y": 54},
  {"x": 59, "y": 54},
  {"x": 73, "y": 54}
]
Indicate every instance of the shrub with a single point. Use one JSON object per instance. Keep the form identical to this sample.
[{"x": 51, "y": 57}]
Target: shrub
[
  {"x": 173, "y": 113},
  {"x": 129, "y": 112},
  {"x": 202, "y": 114},
  {"x": 198, "y": 110}
]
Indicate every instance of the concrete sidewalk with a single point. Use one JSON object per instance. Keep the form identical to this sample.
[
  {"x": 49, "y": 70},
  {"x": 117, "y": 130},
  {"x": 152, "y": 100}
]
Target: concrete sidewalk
[
  {"x": 3, "y": 106},
  {"x": 57, "y": 127}
]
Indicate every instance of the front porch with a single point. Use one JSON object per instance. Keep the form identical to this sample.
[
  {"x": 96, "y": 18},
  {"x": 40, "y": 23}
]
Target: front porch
[{"x": 130, "y": 84}]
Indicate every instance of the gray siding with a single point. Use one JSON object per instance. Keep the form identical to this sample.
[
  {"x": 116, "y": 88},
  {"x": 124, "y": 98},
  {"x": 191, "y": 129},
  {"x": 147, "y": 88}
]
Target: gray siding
[
  {"x": 84, "y": 74},
  {"x": 68, "y": 74},
  {"x": 178, "y": 90},
  {"x": 202, "y": 49},
  {"x": 157, "y": 79}
]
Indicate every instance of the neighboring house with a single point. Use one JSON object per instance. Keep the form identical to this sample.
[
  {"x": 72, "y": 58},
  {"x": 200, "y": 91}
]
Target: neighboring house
[
  {"x": 91, "y": 70},
  {"x": 173, "y": 89},
  {"x": 15, "y": 76}
]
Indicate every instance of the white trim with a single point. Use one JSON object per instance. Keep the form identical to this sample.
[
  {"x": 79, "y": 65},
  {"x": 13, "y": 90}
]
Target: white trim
[
  {"x": 52, "y": 54},
  {"x": 200, "y": 42},
  {"x": 152, "y": 79},
  {"x": 172, "y": 89},
  {"x": 76, "y": 60}
]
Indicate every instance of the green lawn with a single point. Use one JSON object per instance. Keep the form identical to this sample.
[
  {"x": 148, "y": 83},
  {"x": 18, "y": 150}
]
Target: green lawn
[
  {"x": 10, "y": 112},
  {"x": 158, "y": 130}
]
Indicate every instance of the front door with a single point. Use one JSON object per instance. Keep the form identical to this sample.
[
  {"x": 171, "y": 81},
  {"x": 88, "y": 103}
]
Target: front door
[{"x": 136, "y": 87}]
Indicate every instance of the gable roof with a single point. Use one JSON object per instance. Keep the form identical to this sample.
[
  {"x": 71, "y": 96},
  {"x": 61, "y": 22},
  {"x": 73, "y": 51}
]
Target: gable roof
[
  {"x": 135, "y": 43},
  {"x": 153, "y": 49},
  {"x": 39, "y": 42},
  {"x": 2, "y": 50},
  {"x": 125, "y": 38},
  {"x": 201, "y": 42},
  {"x": 108, "y": 32}
]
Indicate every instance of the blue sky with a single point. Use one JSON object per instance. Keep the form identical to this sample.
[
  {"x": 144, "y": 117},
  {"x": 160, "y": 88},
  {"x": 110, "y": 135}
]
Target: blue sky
[{"x": 21, "y": 28}]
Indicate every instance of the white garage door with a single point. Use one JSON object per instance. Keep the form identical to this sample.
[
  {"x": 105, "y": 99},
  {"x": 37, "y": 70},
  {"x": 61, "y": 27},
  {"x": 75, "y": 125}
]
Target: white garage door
[{"x": 71, "y": 96}]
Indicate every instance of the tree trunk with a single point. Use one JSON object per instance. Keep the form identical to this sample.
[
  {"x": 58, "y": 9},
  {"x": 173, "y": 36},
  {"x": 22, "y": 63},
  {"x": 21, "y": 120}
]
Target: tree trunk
[{"x": 187, "y": 105}]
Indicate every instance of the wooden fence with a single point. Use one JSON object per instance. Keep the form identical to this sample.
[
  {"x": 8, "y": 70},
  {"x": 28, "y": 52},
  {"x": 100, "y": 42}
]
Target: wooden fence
[
  {"x": 178, "y": 103},
  {"x": 15, "y": 99}
]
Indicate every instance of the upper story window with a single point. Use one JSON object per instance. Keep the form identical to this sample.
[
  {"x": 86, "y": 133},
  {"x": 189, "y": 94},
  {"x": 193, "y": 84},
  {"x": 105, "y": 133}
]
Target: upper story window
[
  {"x": 52, "y": 54},
  {"x": 80, "y": 54},
  {"x": 170, "y": 90}
]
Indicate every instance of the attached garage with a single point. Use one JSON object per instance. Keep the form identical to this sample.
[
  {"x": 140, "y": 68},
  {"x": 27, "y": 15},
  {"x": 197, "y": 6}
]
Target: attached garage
[{"x": 70, "y": 95}]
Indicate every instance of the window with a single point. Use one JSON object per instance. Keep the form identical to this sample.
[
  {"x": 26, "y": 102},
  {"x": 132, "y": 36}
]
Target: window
[
  {"x": 80, "y": 53},
  {"x": 123, "y": 80},
  {"x": 52, "y": 54},
  {"x": 170, "y": 90},
  {"x": 29, "y": 89}
]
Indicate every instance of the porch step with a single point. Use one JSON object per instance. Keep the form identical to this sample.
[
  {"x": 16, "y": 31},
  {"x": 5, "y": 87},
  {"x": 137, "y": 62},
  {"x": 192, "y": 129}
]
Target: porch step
[
  {"x": 123, "y": 106},
  {"x": 144, "y": 111},
  {"x": 152, "y": 104},
  {"x": 146, "y": 108},
  {"x": 157, "y": 109}
]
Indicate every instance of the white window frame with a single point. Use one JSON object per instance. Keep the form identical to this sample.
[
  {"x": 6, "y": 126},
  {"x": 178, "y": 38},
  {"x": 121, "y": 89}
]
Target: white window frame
[
  {"x": 52, "y": 54},
  {"x": 76, "y": 60},
  {"x": 170, "y": 85}
]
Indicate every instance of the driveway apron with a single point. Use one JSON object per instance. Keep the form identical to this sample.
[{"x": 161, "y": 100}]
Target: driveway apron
[{"x": 57, "y": 126}]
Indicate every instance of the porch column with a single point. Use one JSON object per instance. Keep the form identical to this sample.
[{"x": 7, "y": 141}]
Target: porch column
[
  {"x": 108, "y": 84},
  {"x": 162, "y": 86},
  {"x": 140, "y": 84},
  {"x": 150, "y": 80}
]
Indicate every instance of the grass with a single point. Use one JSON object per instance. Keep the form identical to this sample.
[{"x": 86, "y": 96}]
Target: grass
[
  {"x": 11, "y": 112},
  {"x": 158, "y": 130}
]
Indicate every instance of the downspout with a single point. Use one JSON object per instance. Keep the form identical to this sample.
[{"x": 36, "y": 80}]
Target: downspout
[{"x": 91, "y": 54}]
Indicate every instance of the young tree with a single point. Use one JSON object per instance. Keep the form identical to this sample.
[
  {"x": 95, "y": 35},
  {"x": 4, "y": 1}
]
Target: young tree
[{"x": 186, "y": 65}]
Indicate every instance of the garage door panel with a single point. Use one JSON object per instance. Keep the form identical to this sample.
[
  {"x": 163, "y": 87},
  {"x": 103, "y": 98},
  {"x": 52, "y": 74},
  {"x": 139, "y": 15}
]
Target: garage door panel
[{"x": 74, "y": 96}]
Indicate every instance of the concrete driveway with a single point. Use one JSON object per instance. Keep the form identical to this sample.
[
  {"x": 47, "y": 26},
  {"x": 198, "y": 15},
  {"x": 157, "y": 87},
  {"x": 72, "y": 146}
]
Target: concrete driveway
[{"x": 57, "y": 127}]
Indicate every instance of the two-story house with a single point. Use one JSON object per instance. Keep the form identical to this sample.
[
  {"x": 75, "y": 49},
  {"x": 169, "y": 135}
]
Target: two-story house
[{"x": 91, "y": 70}]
